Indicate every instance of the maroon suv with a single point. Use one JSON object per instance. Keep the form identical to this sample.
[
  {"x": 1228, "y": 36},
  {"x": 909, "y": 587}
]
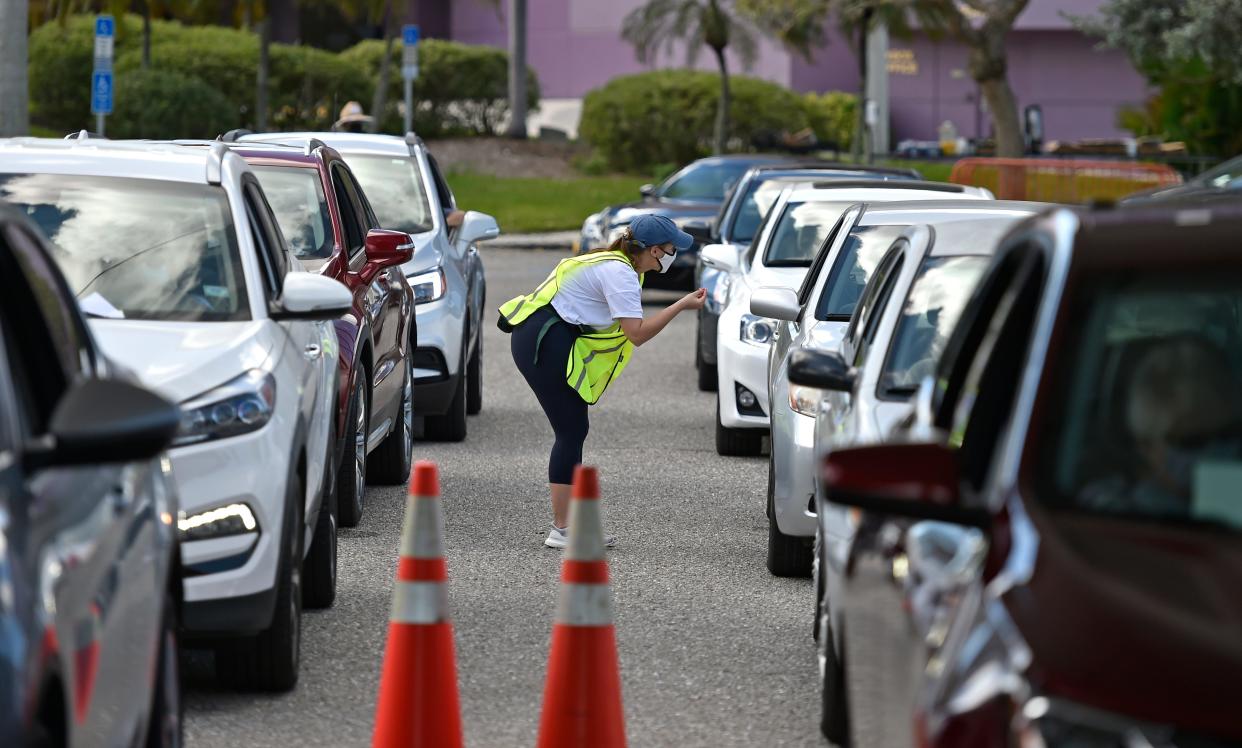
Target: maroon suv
[
  {"x": 1053, "y": 554},
  {"x": 330, "y": 226}
]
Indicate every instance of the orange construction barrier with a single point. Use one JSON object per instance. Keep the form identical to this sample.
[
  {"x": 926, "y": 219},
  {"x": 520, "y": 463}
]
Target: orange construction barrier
[
  {"x": 582, "y": 697},
  {"x": 1061, "y": 180},
  {"x": 418, "y": 703}
]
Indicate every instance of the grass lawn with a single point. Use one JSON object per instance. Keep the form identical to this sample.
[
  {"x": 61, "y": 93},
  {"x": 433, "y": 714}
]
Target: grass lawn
[{"x": 531, "y": 204}]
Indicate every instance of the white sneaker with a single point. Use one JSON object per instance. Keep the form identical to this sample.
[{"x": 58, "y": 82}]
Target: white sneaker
[{"x": 559, "y": 538}]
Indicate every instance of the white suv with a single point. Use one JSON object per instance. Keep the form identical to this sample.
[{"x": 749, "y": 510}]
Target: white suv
[
  {"x": 174, "y": 255},
  {"x": 408, "y": 193}
]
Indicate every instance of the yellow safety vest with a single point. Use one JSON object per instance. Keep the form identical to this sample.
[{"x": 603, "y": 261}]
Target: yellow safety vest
[{"x": 597, "y": 357}]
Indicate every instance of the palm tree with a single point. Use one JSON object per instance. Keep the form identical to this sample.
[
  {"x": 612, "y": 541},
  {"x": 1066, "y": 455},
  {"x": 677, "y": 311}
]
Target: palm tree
[
  {"x": 14, "y": 91},
  {"x": 716, "y": 24}
]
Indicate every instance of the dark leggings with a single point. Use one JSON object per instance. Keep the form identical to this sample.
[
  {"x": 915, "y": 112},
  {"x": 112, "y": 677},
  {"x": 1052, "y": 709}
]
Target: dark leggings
[{"x": 565, "y": 409}]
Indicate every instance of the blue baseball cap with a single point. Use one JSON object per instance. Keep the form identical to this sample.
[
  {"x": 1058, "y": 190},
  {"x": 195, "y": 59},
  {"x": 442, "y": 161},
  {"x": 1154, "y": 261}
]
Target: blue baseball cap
[{"x": 648, "y": 230}]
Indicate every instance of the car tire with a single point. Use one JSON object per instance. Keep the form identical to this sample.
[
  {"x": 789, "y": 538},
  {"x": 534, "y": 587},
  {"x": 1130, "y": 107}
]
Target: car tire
[
  {"x": 390, "y": 462},
  {"x": 474, "y": 379},
  {"x": 788, "y": 555},
  {"x": 450, "y": 427},
  {"x": 166, "y": 722},
  {"x": 351, "y": 476},
  {"x": 706, "y": 371},
  {"x": 319, "y": 569},
  {"x": 834, "y": 716},
  {"x": 736, "y": 442},
  {"x": 270, "y": 660}
]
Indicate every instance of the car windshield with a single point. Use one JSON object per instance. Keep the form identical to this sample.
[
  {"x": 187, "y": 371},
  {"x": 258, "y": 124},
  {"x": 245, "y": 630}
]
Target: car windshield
[
  {"x": 799, "y": 232},
  {"x": 138, "y": 248},
  {"x": 1146, "y": 410},
  {"x": 853, "y": 267},
  {"x": 930, "y": 311},
  {"x": 394, "y": 187},
  {"x": 762, "y": 192},
  {"x": 1227, "y": 175},
  {"x": 297, "y": 199},
  {"x": 704, "y": 182}
]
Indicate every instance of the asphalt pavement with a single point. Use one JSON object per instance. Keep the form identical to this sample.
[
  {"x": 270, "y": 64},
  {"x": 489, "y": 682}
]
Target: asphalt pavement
[{"x": 714, "y": 651}]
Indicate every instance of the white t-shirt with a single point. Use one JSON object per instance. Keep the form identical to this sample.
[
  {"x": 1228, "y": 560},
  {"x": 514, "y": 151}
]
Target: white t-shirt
[{"x": 599, "y": 294}]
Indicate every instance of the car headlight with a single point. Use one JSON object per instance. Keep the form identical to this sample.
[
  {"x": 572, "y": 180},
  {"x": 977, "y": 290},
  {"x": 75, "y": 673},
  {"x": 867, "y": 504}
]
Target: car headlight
[
  {"x": 428, "y": 286},
  {"x": 234, "y": 519},
  {"x": 238, "y": 407},
  {"x": 804, "y": 400},
  {"x": 756, "y": 330}
]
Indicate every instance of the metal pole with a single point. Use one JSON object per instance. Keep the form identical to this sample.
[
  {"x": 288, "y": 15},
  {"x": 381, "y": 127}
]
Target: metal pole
[
  {"x": 408, "y": 119},
  {"x": 99, "y": 124}
]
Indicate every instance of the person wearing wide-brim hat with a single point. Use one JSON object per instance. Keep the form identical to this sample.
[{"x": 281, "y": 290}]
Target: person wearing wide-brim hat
[
  {"x": 575, "y": 333},
  {"x": 353, "y": 119}
]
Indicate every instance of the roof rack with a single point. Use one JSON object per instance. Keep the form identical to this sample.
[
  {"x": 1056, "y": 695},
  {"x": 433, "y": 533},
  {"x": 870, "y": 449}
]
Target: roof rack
[
  {"x": 82, "y": 135},
  {"x": 890, "y": 185},
  {"x": 412, "y": 139},
  {"x": 232, "y": 136},
  {"x": 215, "y": 162},
  {"x": 312, "y": 144}
]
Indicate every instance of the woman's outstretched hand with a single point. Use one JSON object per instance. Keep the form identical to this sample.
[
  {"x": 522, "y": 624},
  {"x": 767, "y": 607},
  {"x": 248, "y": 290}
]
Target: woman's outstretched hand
[{"x": 694, "y": 299}]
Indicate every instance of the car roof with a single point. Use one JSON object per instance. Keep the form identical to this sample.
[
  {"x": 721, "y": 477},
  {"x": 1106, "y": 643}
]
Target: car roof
[
  {"x": 977, "y": 236},
  {"x": 813, "y": 166},
  {"x": 1156, "y": 235},
  {"x": 344, "y": 142},
  {"x": 944, "y": 211},
  {"x": 860, "y": 190},
  {"x": 306, "y": 154},
  {"x": 139, "y": 159}
]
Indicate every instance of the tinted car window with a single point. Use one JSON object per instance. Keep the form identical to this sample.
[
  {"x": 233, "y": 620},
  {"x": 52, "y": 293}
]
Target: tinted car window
[
  {"x": 800, "y": 231},
  {"x": 301, "y": 208},
  {"x": 139, "y": 249},
  {"x": 928, "y": 316},
  {"x": 707, "y": 182},
  {"x": 855, "y": 263},
  {"x": 394, "y": 186},
  {"x": 1147, "y": 410}
]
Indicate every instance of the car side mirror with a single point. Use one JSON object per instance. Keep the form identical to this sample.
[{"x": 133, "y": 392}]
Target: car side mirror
[
  {"x": 721, "y": 257},
  {"x": 775, "y": 302},
  {"x": 915, "y": 480},
  {"x": 310, "y": 296},
  {"x": 647, "y": 190},
  {"x": 477, "y": 226},
  {"x": 105, "y": 420},
  {"x": 700, "y": 230},
  {"x": 386, "y": 248},
  {"x": 823, "y": 370}
]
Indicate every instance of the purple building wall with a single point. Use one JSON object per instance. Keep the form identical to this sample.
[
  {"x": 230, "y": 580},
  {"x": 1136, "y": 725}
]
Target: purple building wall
[{"x": 575, "y": 45}]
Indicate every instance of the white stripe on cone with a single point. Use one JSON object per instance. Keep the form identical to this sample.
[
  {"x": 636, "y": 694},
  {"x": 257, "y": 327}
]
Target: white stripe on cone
[
  {"x": 584, "y": 605},
  {"x": 420, "y": 535},
  {"x": 586, "y": 535},
  {"x": 419, "y": 602}
]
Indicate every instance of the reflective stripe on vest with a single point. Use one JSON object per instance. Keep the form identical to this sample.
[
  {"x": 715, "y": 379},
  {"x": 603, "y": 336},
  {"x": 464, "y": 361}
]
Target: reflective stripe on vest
[{"x": 597, "y": 358}]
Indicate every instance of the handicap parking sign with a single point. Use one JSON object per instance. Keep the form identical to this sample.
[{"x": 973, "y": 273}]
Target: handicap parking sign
[
  {"x": 101, "y": 92},
  {"x": 105, "y": 26}
]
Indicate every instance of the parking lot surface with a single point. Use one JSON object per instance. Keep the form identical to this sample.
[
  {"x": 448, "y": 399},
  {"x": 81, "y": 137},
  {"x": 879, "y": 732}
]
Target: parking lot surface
[{"x": 713, "y": 650}]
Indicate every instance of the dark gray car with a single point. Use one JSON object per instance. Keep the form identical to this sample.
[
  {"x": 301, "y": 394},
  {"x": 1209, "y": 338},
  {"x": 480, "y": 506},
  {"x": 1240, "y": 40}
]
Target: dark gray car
[{"x": 88, "y": 583}]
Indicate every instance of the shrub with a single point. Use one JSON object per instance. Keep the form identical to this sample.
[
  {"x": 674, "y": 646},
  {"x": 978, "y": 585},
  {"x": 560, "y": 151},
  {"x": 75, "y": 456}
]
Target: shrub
[
  {"x": 833, "y": 116},
  {"x": 462, "y": 89},
  {"x": 163, "y": 104},
  {"x": 639, "y": 121}
]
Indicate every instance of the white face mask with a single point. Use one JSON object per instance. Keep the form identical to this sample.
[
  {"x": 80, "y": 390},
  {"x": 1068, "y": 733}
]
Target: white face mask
[{"x": 666, "y": 262}]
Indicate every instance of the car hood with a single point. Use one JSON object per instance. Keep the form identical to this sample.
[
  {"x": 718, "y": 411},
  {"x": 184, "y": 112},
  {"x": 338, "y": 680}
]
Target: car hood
[
  {"x": 1137, "y": 618},
  {"x": 427, "y": 255},
  {"x": 619, "y": 215},
  {"x": 182, "y": 359}
]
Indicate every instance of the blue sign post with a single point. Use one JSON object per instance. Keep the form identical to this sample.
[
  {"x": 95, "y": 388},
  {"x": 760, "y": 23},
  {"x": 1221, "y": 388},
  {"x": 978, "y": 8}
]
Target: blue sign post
[
  {"x": 101, "y": 77},
  {"x": 409, "y": 70}
]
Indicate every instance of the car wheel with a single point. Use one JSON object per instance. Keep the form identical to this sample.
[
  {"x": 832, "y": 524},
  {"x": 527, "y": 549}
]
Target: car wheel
[
  {"x": 788, "y": 555},
  {"x": 320, "y": 565},
  {"x": 270, "y": 660},
  {"x": 474, "y": 379},
  {"x": 351, "y": 478},
  {"x": 390, "y": 462},
  {"x": 706, "y": 371},
  {"x": 165, "y": 728},
  {"x": 736, "y": 442},
  {"x": 834, "y": 719},
  {"x": 450, "y": 427}
]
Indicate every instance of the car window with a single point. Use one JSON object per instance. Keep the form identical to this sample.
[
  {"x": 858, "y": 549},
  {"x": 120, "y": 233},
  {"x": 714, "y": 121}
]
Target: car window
[
  {"x": 364, "y": 203},
  {"x": 854, "y": 265},
  {"x": 753, "y": 250},
  {"x": 800, "y": 232},
  {"x": 821, "y": 256},
  {"x": 394, "y": 188},
  {"x": 136, "y": 248},
  {"x": 1146, "y": 403},
  {"x": 930, "y": 311},
  {"x": 266, "y": 238},
  {"x": 355, "y": 234},
  {"x": 357, "y": 204},
  {"x": 297, "y": 198},
  {"x": 753, "y": 206},
  {"x": 866, "y": 319},
  {"x": 705, "y": 182}
]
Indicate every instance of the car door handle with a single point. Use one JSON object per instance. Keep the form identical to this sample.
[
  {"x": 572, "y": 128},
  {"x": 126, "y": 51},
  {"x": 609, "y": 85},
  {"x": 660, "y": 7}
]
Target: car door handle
[{"x": 312, "y": 351}]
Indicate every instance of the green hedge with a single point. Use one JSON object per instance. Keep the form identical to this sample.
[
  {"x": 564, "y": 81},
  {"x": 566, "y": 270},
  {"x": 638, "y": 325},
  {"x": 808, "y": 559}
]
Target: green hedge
[
  {"x": 462, "y": 89},
  {"x": 156, "y": 103},
  {"x": 833, "y": 116},
  {"x": 636, "y": 122}
]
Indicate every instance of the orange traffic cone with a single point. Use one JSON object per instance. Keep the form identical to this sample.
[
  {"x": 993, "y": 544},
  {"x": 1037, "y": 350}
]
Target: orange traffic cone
[
  {"x": 582, "y": 697},
  {"x": 418, "y": 703}
]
